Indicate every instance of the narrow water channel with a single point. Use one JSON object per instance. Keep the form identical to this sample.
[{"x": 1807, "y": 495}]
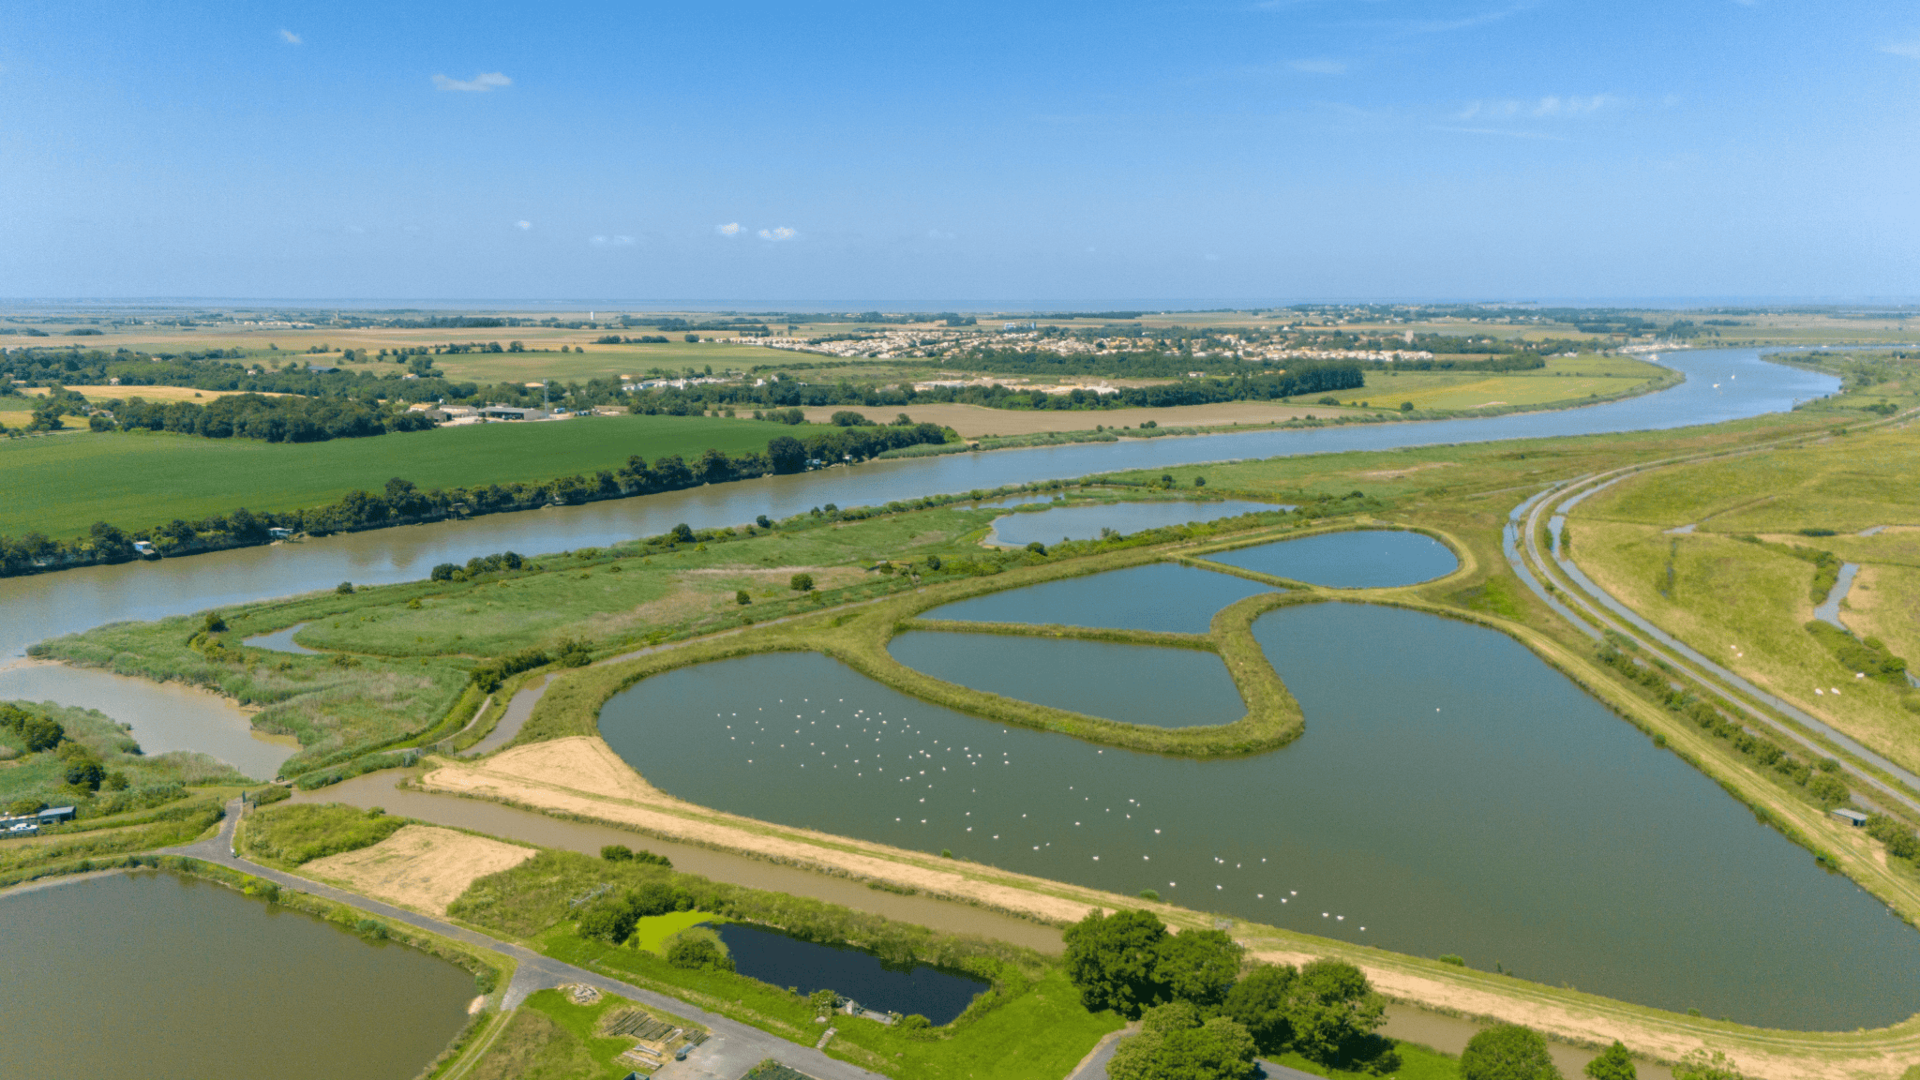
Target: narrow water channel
[
  {"x": 162, "y": 716},
  {"x": 1452, "y": 794},
  {"x": 169, "y": 978}
]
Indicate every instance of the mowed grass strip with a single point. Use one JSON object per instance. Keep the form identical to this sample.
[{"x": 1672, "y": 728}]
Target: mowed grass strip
[{"x": 60, "y": 486}]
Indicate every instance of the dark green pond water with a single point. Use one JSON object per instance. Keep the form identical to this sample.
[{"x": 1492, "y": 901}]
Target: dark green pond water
[
  {"x": 1364, "y": 559},
  {"x": 168, "y": 978},
  {"x": 1130, "y": 683},
  {"x": 1452, "y": 794},
  {"x": 1162, "y": 596}
]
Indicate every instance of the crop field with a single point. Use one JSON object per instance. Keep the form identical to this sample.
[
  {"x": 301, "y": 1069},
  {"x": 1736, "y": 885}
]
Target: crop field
[{"x": 60, "y": 486}]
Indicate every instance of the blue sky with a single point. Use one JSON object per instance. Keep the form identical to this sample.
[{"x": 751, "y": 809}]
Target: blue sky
[{"x": 937, "y": 153}]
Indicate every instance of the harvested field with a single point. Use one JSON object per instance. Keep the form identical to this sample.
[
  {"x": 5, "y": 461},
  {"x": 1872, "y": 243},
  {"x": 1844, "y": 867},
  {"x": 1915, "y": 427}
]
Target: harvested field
[
  {"x": 423, "y": 867},
  {"x": 149, "y": 393}
]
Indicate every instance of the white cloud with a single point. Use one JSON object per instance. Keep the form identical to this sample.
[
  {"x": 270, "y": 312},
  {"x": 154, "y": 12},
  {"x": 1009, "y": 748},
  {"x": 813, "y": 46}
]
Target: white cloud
[
  {"x": 1319, "y": 67},
  {"x": 731, "y": 228},
  {"x": 610, "y": 241},
  {"x": 1510, "y": 133},
  {"x": 1549, "y": 107},
  {"x": 778, "y": 232},
  {"x": 1908, "y": 49},
  {"x": 289, "y": 36},
  {"x": 523, "y": 225},
  {"x": 479, "y": 84}
]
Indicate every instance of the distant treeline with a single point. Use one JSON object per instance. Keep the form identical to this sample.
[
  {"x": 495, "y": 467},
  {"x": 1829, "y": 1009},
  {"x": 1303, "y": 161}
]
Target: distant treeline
[
  {"x": 252, "y": 416},
  {"x": 403, "y": 503},
  {"x": 1267, "y": 386},
  {"x": 1508, "y": 362}
]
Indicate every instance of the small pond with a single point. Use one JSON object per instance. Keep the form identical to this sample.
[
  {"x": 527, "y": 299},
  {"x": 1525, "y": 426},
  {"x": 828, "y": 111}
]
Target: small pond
[
  {"x": 1451, "y": 794},
  {"x": 1085, "y": 522},
  {"x": 1133, "y": 684},
  {"x": 159, "y": 976},
  {"x": 1366, "y": 559},
  {"x": 1159, "y": 596},
  {"x": 282, "y": 641},
  {"x": 779, "y": 960}
]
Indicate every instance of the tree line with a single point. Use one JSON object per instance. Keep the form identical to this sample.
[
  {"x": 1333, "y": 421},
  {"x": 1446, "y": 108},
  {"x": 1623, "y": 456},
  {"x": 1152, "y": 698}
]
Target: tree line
[
  {"x": 401, "y": 502},
  {"x": 788, "y": 393},
  {"x": 254, "y": 416}
]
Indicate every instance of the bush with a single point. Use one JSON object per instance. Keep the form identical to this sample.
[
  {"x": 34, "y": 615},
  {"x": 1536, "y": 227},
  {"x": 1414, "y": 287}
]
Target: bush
[
  {"x": 1613, "y": 1064},
  {"x": 849, "y": 418},
  {"x": 698, "y": 952},
  {"x": 444, "y": 571},
  {"x": 801, "y": 583},
  {"x": 1507, "y": 1052},
  {"x": 610, "y": 920},
  {"x": 740, "y": 597}
]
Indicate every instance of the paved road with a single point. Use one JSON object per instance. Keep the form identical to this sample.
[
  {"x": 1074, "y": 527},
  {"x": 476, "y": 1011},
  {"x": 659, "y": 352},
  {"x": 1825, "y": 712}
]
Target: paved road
[{"x": 732, "y": 1049}]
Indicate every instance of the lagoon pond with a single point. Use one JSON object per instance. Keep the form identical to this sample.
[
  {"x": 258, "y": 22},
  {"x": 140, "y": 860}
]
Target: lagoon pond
[
  {"x": 1134, "y": 684},
  {"x": 1451, "y": 794},
  {"x": 1159, "y": 596},
  {"x": 172, "y": 978},
  {"x": 1351, "y": 559}
]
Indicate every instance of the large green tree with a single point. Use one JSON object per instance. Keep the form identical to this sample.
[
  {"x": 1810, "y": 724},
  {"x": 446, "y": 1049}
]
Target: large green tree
[
  {"x": 1332, "y": 1007},
  {"x": 1111, "y": 958},
  {"x": 1197, "y": 966},
  {"x": 1259, "y": 1004},
  {"x": 1507, "y": 1052},
  {"x": 1174, "y": 1044}
]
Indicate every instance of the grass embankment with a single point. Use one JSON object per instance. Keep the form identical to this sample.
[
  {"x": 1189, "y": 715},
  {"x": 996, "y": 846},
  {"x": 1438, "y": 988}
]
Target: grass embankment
[
  {"x": 61, "y": 486},
  {"x": 1747, "y": 605}
]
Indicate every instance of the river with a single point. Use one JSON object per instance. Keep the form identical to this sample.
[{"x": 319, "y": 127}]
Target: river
[{"x": 47, "y": 605}]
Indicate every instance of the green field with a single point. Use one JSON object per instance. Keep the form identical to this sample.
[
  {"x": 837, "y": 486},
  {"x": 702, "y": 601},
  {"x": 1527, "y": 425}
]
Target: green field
[
  {"x": 1563, "y": 379},
  {"x": 1746, "y": 605},
  {"x": 60, "y": 486}
]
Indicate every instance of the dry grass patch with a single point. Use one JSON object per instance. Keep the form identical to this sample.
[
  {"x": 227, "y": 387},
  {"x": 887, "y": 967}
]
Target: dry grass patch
[{"x": 423, "y": 867}]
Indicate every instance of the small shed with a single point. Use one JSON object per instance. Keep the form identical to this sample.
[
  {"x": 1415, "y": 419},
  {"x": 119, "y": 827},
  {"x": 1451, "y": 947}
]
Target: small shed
[
  {"x": 1852, "y": 817},
  {"x": 278, "y": 533},
  {"x": 54, "y": 815}
]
